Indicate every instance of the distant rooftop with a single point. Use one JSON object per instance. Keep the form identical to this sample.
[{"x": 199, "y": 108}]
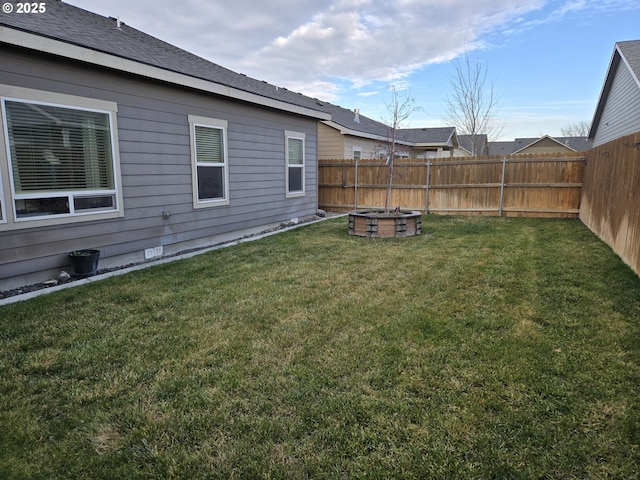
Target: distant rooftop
[{"x": 579, "y": 144}]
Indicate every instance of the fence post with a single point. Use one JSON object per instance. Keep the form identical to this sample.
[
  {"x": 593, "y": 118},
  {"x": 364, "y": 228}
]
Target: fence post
[
  {"x": 355, "y": 189},
  {"x": 426, "y": 203},
  {"x": 504, "y": 168}
]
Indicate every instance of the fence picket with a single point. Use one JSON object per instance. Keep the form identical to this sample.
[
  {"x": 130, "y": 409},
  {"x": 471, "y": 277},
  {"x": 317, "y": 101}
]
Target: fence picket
[{"x": 513, "y": 186}]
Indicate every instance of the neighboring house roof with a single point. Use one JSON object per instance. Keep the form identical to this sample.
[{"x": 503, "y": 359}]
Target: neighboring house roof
[
  {"x": 625, "y": 53},
  {"x": 352, "y": 122},
  {"x": 575, "y": 144},
  {"x": 467, "y": 143},
  {"x": 502, "y": 148},
  {"x": 532, "y": 142},
  {"x": 82, "y": 35},
  {"x": 75, "y": 27},
  {"x": 430, "y": 137},
  {"x": 579, "y": 144}
]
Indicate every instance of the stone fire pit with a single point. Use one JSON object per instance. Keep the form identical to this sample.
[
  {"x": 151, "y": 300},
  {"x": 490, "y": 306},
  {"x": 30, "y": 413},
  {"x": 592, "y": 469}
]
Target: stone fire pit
[{"x": 377, "y": 223}]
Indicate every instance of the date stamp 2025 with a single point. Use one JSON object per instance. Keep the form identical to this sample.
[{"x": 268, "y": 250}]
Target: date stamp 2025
[{"x": 33, "y": 7}]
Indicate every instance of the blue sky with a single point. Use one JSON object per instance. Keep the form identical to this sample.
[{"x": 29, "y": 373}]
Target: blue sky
[{"x": 547, "y": 59}]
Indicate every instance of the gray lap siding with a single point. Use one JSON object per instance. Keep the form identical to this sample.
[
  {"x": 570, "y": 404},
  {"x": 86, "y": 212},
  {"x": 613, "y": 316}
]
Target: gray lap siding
[{"x": 156, "y": 171}]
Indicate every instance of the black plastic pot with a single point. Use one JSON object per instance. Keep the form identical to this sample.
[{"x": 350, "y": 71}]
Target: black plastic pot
[{"x": 84, "y": 263}]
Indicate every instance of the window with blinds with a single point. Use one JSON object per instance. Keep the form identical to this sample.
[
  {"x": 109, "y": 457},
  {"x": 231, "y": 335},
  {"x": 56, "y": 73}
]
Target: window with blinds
[
  {"x": 295, "y": 165},
  {"x": 210, "y": 162},
  {"x": 60, "y": 160}
]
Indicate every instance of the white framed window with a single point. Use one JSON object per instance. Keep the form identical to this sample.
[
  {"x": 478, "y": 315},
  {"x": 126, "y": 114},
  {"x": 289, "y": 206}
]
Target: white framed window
[
  {"x": 210, "y": 169},
  {"x": 295, "y": 164},
  {"x": 61, "y": 162},
  {"x": 357, "y": 153},
  {"x": 3, "y": 215}
]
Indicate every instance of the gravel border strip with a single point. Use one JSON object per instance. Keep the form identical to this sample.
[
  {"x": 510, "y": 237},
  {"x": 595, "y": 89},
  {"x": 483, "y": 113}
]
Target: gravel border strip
[{"x": 35, "y": 290}]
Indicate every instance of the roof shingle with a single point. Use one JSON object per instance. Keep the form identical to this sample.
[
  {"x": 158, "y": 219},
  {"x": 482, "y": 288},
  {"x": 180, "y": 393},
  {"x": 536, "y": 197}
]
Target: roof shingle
[{"x": 75, "y": 26}]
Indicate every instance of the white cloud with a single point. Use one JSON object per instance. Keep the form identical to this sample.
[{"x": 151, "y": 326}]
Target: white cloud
[
  {"x": 575, "y": 9},
  {"x": 374, "y": 41},
  {"x": 320, "y": 48},
  {"x": 306, "y": 45}
]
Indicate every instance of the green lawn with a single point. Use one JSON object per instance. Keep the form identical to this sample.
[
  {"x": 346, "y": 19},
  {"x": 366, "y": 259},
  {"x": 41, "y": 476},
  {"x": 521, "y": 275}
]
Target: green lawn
[{"x": 484, "y": 348}]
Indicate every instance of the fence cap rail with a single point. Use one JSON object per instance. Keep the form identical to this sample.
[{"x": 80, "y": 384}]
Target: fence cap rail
[
  {"x": 539, "y": 185},
  {"x": 348, "y": 162}
]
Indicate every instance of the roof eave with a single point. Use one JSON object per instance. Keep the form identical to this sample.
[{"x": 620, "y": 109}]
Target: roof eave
[
  {"x": 543, "y": 138},
  {"x": 604, "y": 91},
  {"x": 357, "y": 133},
  {"x": 433, "y": 144},
  {"x": 39, "y": 43},
  {"x": 453, "y": 139}
]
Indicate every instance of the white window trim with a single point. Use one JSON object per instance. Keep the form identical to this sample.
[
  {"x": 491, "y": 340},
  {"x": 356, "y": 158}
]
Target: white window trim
[
  {"x": 294, "y": 136},
  {"x": 194, "y": 121},
  {"x": 3, "y": 188},
  {"x": 9, "y": 218},
  {"x": 357, "y": 149}
]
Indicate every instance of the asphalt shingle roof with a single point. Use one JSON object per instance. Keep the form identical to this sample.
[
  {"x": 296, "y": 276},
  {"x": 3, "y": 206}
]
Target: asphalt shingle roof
[
  {"x": 467, "y": 142},
  {"x": 579, "y": 144},
  {"x": 631, "y": 52},
  {"x": 76, "y": 26},
  {"x": 347, "y": 118},
  {"x": 427, "y": 135},
  {"x": 73, "y": 25}
]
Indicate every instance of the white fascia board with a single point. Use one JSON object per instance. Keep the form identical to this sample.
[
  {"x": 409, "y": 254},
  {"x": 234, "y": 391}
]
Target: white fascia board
[
  {"x": 544, "y": 137},
  {"x": 83, "y": 54},
  {"x": 435, "y": 144},
  {"x": 357, "y": 133}
]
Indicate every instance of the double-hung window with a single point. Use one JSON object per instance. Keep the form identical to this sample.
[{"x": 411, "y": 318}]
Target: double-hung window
[
  {"x": 209, "y": 161},
  {"x": 61, "y": 159},
  {"x": 3, "y": 215},
  {"x": 295, "y": 174}
]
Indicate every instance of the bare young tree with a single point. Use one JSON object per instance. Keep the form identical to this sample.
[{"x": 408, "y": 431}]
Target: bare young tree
[
  {"x": 578, "y": 129},
  {"x": 400, "y": 108},
  {"x": 473, "y": 104}
]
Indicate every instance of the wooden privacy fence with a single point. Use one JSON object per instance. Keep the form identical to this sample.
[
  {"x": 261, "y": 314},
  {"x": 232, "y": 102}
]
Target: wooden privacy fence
[
  {"x": 528, "y": 185},
  {"x": 611, "y": 196}
]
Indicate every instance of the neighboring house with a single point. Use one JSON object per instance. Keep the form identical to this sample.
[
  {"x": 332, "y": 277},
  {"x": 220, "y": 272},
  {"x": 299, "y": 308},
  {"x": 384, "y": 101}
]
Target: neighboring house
[
  {"x": 115, "y": 140},
  {"x": 544, "y": 144},
  {"x": 351, "y": 135},
  {"x": 436, "y": 142},
  {"x": 472, "y": 146},
  {"x": 618, "y": 109}
]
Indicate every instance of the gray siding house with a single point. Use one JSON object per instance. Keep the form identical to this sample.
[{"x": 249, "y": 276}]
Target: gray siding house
[
  {"x": 112, "y": 139},
  {"x": 544, "y": 144},
  {"x": 354, "y": 136},
  {"x": 618, "y": 109}
]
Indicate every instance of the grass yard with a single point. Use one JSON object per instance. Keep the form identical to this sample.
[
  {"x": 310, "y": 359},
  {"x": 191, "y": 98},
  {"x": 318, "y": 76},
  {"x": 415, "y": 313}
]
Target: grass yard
[{"x": 484, "y": 348}]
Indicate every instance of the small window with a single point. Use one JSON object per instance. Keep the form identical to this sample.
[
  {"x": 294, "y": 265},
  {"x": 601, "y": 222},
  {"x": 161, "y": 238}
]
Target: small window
[
  {"x": 295, "y": 164},
  {"x": 61, "y": 160},
  {"x": 357, "y": 153},
  {"x": 3, "y": 217},
  {"x": 210, "y": 167}
]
